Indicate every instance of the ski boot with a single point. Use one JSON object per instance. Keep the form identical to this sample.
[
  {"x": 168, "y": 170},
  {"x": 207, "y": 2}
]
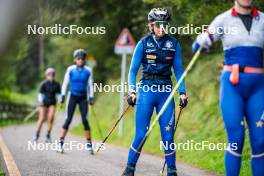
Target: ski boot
[
  {"x": 48, "y": 138},
  {"x": 171, "y": 171},
  {"x": 35, "y": 138},
  {"x": 60, "y": 148},
  {"x": 89, "y": 147},
  {"x": 129, "y": 171}
]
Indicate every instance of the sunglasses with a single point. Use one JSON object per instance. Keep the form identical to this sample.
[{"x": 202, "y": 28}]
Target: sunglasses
[
  {"x": 160, "y": 24},
  {"x": 51, "y": 74},
  {"x": 80, "y": 58}
]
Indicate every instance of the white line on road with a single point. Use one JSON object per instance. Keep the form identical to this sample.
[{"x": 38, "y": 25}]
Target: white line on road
[{"x": 9, "y": 161}]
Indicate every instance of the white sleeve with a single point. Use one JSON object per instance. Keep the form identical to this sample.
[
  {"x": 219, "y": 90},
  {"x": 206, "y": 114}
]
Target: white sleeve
[
  {"x": 40, "y": 97},
  {"x": 90, "y": 85},
  {"x": 214, "y": 32},
  {"x": 65, "y": 82},
  {"x": 216, "y": 28}
]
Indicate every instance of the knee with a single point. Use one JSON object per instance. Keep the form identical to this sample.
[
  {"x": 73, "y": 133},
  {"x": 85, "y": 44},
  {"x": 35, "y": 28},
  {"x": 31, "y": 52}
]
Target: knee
[
  {"x": 50, "y": 119},
  {"x": 139, "y": 136},
  {"x": 168, "y": 138},
  {"x": 41, "y": 120},
  {"x": 236, "y": 141},
  {"x": 258, "y": 146},
  {"x": 66, "y": 125}
]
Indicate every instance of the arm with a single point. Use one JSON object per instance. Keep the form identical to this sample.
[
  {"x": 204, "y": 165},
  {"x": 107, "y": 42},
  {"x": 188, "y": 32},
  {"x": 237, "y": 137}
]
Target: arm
[
  {"x": 135, "y": 64},
  {"x": 90, "y": 85},
  {"x": 177, "y": 67},
  {"x": 58, "y": 91},
  {"x": 214, "y": 32},
  {"x": 65, "y": 82},
  {"x": 41, "y": 93}
]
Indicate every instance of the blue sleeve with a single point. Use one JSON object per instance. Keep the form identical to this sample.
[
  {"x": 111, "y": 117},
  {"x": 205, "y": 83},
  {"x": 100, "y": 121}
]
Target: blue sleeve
[
  {"x": 178, "y": 69},
  {"x": 135, "y": 64}
]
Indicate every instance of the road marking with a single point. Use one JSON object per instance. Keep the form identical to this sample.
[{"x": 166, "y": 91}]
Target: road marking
[{"x": 9, "y": 161}]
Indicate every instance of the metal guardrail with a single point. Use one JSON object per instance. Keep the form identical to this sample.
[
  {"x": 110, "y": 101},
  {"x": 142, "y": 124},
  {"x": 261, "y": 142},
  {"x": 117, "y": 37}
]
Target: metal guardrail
[{"x": 14, "y": 111}]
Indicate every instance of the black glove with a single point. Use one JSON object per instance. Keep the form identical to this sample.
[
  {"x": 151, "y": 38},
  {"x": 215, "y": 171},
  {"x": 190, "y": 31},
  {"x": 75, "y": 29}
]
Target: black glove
[
  {"x": 183, "y": 102},
  {"x": 91, "y": 101},
  {"x": 62, "y": 99},
  {"x": 130, "y": 100}
]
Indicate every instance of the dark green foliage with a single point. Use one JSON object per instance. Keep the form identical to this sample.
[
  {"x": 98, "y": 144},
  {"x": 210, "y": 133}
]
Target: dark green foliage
[{"x": 20, "y": 66}]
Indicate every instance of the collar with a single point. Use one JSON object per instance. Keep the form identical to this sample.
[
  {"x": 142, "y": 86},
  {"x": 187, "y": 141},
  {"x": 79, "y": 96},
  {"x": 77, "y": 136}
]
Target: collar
[
  {"x": 79, "y": 67},
  {"x": 254, "y": 12},
  {"x": 159, "y": 39}
]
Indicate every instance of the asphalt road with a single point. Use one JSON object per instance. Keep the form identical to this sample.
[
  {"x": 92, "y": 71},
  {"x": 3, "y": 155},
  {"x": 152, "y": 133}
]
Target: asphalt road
[{"x": 110, "y": 162}]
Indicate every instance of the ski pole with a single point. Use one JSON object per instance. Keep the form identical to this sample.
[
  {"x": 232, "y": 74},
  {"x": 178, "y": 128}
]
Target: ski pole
[
  {"x": 97, "y": 123},
  {"x": 186, "y": 71},
  {"x": 111, "y": 131},
  {"x": 60, "y": 106},
  {"x": 31, "y": 114},
  {"x": 175, "y": 127}
]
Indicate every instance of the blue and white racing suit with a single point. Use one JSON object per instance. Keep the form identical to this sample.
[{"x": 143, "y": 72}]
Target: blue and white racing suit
[
  {"x": 243, "y": 45},
  {"x": 81, "y": 89},
  {"x": 156, "y": 56}
]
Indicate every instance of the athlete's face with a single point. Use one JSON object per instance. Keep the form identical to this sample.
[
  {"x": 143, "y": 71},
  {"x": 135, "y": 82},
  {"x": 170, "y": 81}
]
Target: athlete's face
[
  {"x": 79, "y": 62},
  {"x": 245, "y": 3},
  {"x": 50, "y": 76},
  {"x": 160, "y": 28},
  {"x": 159, "y": 32}
]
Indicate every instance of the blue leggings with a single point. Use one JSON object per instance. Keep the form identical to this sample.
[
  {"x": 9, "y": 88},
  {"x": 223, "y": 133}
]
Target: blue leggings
[
  {"x": 238, "y": 102},
  {"x": 144, "y": 109}
]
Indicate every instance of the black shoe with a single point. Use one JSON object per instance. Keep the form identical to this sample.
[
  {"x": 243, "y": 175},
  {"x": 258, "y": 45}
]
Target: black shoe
[
  {"x": 89, "y": 147},
  {"x": 48, "y": 138},
  {"x": 129, "y": 171},
  {"x": 171, "y": 171},
  {"x": 35, "y": 138},
  {"x": 60, "y": 148}
]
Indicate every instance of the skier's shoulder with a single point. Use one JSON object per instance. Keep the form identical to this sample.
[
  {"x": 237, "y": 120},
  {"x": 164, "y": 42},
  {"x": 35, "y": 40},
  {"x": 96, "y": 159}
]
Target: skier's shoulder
[
  {"x": 56, "y": 83},
  {"x": 87, "y": 68},
  {"x": 224, "y": 16},
  {"x": 145, "y": 38},
  {"x": 43, "y": 83},
  {"x": 71, "y": 67},
  {"x": 261, "y": 14}
]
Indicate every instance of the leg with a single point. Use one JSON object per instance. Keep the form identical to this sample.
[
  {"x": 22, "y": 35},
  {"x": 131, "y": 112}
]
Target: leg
[
  {"x": 143, "y": 116},
  {"x": 83, "y": 106},
  {"x": 232, "y": 107},
  {"x": 70, "y": 111},
  {"x": 255, "y": 110},
  {"x": 42, "y": 115},
  {"x": 167, "y": 122},
  {"x": 51, "y": 112}
]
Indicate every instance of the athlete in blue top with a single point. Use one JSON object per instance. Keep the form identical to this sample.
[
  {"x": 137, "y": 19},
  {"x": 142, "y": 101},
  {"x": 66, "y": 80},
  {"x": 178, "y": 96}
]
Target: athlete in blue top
[
  {"x": 241, "y": 30},
  {"x": 80, "y": 78},
  {"x": 157, "y": 53}
]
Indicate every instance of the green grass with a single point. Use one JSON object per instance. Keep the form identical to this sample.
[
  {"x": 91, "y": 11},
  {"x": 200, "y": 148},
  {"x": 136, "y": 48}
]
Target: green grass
[
  {"x": 200, "y": 121},
  {"x": 10, "y": 122},
  {"x": 13, "y": 96},
  {"x": 2, "y": 173}
]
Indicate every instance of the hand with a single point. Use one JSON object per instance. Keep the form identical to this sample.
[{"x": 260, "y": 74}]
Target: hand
[
  {"x": 91, "y": 101},
  {"x": 183, "y": 101},
  {"x": 203, "y": 41},
  {"x": 131, "y": 99},
  {"x": 62, "y": 99},
  {"x": 41, "y": 104},
  {"x": 196, "y": 46}
]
